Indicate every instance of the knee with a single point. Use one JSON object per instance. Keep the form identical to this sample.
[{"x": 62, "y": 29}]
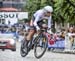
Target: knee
[{"x": 31, "y": 31}]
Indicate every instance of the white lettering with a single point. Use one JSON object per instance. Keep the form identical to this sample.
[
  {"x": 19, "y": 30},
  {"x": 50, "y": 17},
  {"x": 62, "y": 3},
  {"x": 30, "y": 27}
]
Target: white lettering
[{"x": 8, "y": 15}]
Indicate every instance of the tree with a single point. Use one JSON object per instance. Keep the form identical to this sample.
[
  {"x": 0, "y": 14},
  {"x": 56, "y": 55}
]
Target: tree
[
  {"x": 64, "y": 10},
  {"x": 32, "y": 6}
]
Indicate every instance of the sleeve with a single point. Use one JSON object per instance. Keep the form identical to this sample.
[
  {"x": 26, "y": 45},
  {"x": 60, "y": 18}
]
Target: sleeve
[
  {"x": 35, "y": 22},
  {"x": 49, "y": 22}
]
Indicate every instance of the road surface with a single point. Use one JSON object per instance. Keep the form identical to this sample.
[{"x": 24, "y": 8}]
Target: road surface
[{"x": 8, "y": 55}]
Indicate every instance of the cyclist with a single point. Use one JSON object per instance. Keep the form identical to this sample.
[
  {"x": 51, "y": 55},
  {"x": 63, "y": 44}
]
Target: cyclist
[{"x": 36, "y": 21}]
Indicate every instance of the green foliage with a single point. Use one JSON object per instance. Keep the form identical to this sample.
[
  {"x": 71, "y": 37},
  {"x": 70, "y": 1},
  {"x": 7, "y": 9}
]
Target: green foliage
[
  {"x": 64, "y": 10},
  {"x": 32, "y": 6}
]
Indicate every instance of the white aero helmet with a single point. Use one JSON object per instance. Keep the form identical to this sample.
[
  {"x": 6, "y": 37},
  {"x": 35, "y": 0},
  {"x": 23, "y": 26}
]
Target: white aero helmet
[{"x": 48, "y": 9}]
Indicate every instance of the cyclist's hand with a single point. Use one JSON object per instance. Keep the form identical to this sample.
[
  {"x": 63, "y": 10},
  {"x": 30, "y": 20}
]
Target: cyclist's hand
[
  {"x": 49, "y": 29},
  {"x": 37, "y": 28}
]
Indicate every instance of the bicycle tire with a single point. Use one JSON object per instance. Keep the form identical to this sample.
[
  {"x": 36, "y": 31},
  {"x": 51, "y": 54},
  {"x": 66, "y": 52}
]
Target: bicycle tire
[
  {"x": 35, "y": 46},
  {"x": 22, "y": 52}
]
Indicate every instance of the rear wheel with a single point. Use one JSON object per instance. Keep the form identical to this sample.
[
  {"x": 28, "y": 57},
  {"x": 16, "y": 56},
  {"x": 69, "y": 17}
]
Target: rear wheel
[
  {"x": 23, "y": 49},
  {"x": 40, "y": 46}
]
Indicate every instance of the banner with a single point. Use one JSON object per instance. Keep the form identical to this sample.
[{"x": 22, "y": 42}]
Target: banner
[{"x": 13, "y": 17}]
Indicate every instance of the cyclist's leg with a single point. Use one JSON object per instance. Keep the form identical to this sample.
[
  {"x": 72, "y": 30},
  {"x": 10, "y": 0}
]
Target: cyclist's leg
[
  {"x": 31, "y": 30},
  {"x": 32, "y": 20},
  {"x": 31, "y": 33}
]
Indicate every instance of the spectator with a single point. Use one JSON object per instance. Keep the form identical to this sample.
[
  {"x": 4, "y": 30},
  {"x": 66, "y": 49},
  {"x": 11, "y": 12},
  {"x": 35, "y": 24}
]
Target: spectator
[
  {"x": 62, "y": 34},
  {"x": 71, "y": 34}
]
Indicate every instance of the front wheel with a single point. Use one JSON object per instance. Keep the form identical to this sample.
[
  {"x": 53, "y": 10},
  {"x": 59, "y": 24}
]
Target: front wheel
[{"x": 40, "y": 46}]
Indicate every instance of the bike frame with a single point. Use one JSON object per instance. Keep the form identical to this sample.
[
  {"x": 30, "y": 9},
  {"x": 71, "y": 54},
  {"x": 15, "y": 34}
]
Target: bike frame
[{"x": 50, "y": 37}]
